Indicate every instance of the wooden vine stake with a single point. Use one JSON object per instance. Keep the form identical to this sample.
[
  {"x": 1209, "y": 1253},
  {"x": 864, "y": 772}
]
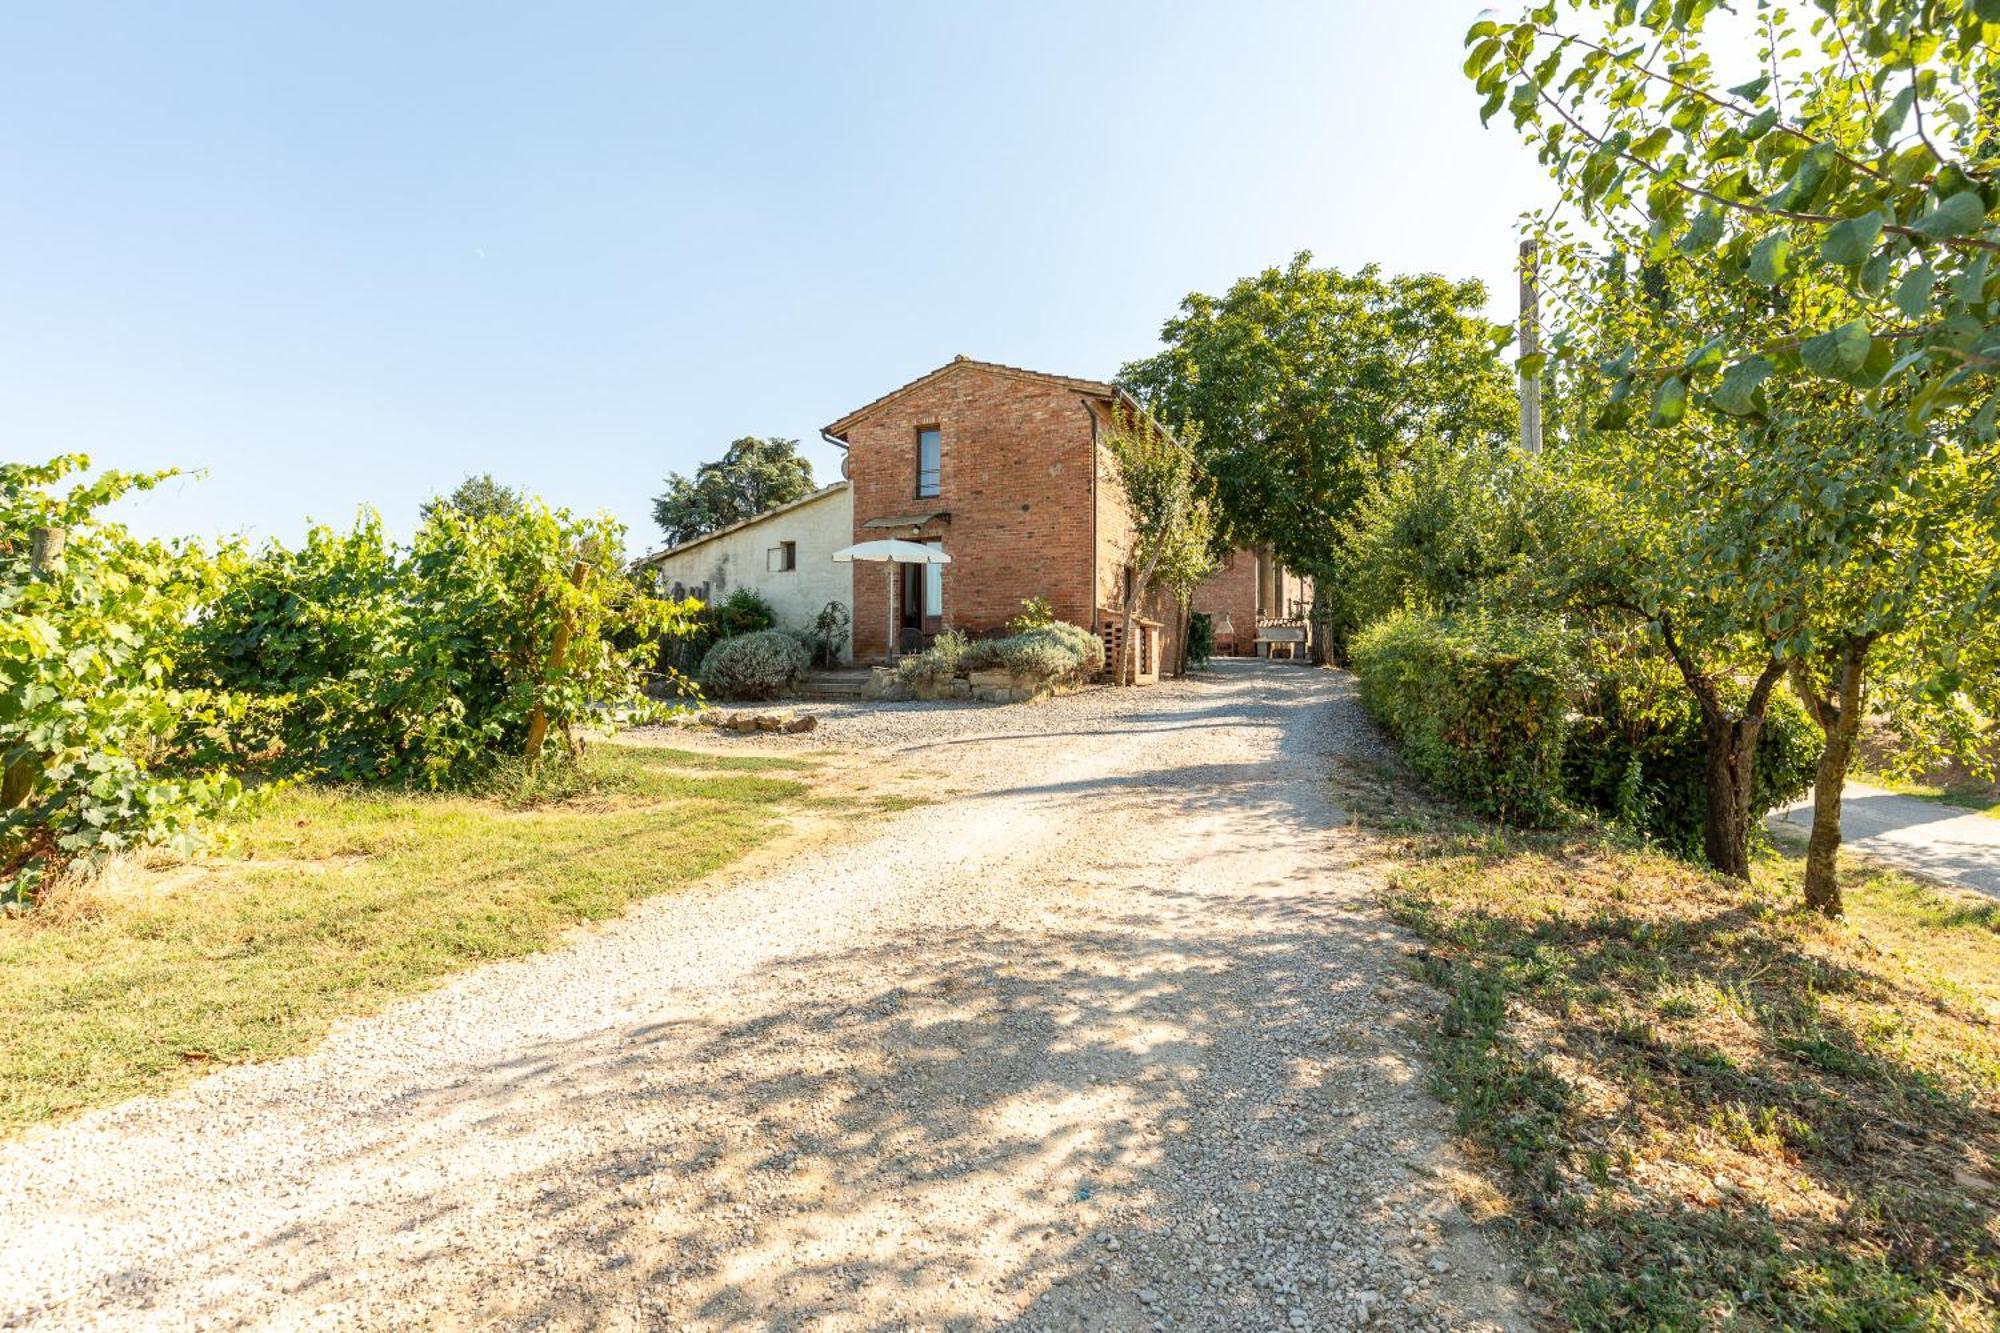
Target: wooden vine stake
[
  {"x": 45, "y": 547},
  {"x": 538, "y": 721}
]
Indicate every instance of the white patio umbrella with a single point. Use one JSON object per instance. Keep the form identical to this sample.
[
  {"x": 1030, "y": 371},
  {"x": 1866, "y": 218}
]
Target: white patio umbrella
[{"x": 892, "y": 553}]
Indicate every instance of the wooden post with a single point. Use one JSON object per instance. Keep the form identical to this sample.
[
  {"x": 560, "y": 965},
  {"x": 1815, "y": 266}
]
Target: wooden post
[
  {"x": 1531, "y": 344},
  {"x": 889, "y": 600},
  {"x": 17, "y": 782},
  {"x": 45, "y": 547},
  {"x": 538, "y": 721}
]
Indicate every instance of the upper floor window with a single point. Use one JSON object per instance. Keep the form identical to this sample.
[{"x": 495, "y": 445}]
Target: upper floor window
[
  {"x": 782, "y": 558},
  {"x": 930, "y": 460}
]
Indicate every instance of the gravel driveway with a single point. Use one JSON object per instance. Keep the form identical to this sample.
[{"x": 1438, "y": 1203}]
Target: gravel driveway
[{"x": 1113, "y": 1038}]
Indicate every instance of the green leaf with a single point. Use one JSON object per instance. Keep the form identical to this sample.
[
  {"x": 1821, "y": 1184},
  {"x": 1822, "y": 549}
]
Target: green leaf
[
  {"x": 1970, "y": 284},
  {"x": 1847, "y": 244},
  {"x": 1737, "y": 393},
  {"x": 1890, "y": 122},
  {"x": 1838, "y": 353},
  {"x": 1982, "y": 424},
  {"x": 1670, "y": 401},
  {"x": 1702, "y": 233},
  {"x": 1875, "y": 273},
  {"x": 1703, "y": 359},
  {"x": 1958, "y": 215},
  {"x": 1531, "y": 365},
  {"x": 1988, "y": 10},
  {"x": 1752, "y": 90},
  {"x": 1771, "y": 261},
  {"x": 1913, "y": 293},
  {"x": 1761, "y": 124}
]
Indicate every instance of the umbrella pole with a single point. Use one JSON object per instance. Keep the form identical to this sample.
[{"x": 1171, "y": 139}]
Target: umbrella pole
[{"x": 889, "y": 600}]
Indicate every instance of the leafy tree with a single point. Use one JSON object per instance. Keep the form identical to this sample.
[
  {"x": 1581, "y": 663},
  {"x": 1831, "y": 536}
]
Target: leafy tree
[
  {"x": 479, "y": 496},
  {"x": 754, "y": 475},
  {"x": 1173, "y": 528},
  {"x": 98, "y": 750},
  {"x": 1307, "y": 382},
  {"x": 1863, "y": 147},
  {"x": 1788, "y": 398},
  {"x": 1444, "y": 534}
]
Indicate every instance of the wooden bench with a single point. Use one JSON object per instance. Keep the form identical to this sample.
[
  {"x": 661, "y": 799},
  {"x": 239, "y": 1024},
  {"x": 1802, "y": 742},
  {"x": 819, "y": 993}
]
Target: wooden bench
[{"x": 1270, "y": 638}]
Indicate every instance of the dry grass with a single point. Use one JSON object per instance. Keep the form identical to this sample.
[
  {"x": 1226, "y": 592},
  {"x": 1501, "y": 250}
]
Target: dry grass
[
  {"x": 332, "y": 903},
  {"x": 1709, "y": 1108}
]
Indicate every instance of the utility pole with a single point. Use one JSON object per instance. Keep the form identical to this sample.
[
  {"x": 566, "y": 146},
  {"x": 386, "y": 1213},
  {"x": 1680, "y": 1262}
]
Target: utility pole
[{"x": 1531, "y": 344}]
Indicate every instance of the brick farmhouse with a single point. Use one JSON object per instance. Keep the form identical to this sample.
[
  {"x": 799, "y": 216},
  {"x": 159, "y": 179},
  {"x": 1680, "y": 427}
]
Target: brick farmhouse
[
  {"x": 1005, "y": 470},
  {"x": 1008, "y": 472}
]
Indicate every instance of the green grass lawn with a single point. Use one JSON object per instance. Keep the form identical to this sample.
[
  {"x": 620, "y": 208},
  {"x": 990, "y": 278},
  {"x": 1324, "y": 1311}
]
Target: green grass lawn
[
  {"x": 332, "y": 902},
  {"x": 1705, "y": 1108}
]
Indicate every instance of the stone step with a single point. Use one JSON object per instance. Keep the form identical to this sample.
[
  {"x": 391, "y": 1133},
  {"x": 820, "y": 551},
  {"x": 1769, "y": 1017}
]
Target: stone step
[{"x": 834, "y": 686}]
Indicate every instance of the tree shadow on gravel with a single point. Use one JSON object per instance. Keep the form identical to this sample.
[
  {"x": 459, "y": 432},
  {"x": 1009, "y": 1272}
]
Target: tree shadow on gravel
[
  {"x": 934, "y": 1149},
  {"x": 942, "y": 1132}
]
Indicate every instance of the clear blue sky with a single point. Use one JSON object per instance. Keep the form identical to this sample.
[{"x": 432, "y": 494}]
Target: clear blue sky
[{"x": 346, "y": 254}]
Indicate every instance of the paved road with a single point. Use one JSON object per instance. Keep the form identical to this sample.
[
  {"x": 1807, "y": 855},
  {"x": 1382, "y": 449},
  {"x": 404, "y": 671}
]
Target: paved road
[
  {"x": 1923, "y": 836},
  {"x": 1115, "y": 1038}
]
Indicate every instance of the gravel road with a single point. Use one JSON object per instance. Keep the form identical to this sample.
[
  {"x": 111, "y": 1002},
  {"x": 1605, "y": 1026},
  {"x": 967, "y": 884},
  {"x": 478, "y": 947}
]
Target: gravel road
[
  {"x": 1927, "y": 837},
  {"x": 1112, "y": 1038}
]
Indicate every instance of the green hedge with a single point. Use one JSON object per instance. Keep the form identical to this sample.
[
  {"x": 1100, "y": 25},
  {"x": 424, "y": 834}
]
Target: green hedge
[
  {"x": 1637, "y": 753},
  {"x": 1480, "y": 705},
  {"x": 1506, "y": 717}
]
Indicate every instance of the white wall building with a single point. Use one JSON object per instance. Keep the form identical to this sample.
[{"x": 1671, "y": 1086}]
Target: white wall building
[{"x": 785, "y": 553}]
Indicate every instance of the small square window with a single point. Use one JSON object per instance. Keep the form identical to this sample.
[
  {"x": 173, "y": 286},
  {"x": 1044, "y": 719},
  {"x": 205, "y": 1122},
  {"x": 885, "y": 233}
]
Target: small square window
[
  {"x": 930, "y": 461},
  {"x": 782, "y": 558}
]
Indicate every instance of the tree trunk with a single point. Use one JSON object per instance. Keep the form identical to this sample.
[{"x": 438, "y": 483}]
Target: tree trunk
[
  {"x": 538, "y": 721},
  {"x": 1839, "y": 717},
  {"x": 1730, "y": 762},
  {"x": 1823, "y": 847},
  {"x": 1731, "y": 768},
  {"x": 1318, "y": 650}
]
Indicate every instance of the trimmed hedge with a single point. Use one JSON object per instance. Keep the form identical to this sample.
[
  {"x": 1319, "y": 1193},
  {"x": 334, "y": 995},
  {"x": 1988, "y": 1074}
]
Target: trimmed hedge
[
  {"x": 760, "y": 665},
  {"x": 1637, "y": 753},
  {"x": 1500, "y": 715},
  {"x": 1480, "y": 705}
]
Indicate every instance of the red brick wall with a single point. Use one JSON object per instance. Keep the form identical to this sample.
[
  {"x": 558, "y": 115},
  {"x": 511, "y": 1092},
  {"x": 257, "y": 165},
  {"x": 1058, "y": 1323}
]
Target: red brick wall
[
  {"x": 1016, "y": 480},
  {"x": 1232, "y": 591}
]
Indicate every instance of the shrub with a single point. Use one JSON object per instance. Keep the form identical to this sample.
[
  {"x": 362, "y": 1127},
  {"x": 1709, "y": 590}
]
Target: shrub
[
  {"x": 829, "y": 633},
  {"x": 940, "y": 661},
  {"x": 1479, "y": 704},
  {"x": 1200, "y": 639},
  {"x": 1058, "y": 653},
  {"x": 742, "y": 612},
  {"x": 759, "y": 665},
  {"x": 99, "y": 751},
  {"x": 1637, "y": 752},
  {"x": 1036, "y": 613}
]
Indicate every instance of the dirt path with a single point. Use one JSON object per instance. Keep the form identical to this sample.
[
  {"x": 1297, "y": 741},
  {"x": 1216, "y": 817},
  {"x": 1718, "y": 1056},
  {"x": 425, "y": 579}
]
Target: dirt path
[{"x": 1112, "y": 1040}]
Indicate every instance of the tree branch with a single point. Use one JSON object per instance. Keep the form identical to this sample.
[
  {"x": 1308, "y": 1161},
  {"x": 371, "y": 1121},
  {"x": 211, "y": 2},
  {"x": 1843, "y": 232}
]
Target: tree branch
[
  {"x": 1761, "y": 210},
  {"x": 1724, "y": 103}
]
